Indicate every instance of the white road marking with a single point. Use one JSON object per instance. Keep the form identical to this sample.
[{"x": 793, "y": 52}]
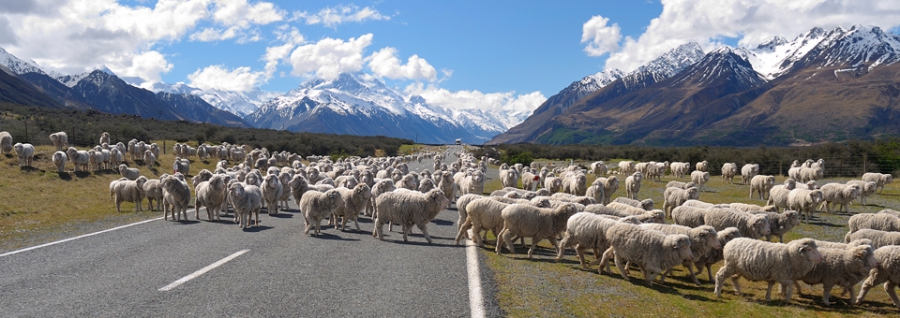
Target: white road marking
[
  {"x": 202, "y": 271},
  {"x": 77, "y": 237},
  {"x": 476, "y": 298}
]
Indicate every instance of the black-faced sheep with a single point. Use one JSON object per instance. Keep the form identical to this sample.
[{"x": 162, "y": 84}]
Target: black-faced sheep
[
  {"x": 523, "y": 220},
  {"x": 409, "y": 208},
  {"x": 887, "y": 271},
  {"x": 653, "y": 251},
  {"x": 765, "y": 261}
]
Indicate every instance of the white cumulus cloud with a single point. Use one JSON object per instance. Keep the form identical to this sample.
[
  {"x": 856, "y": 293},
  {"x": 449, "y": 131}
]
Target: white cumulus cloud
[
  {"x": 238, "y": 18},
  {"x": 385, "y": 63},
  {"x": 750, "y": 21},
  {"x": 333, "y": 16},
  {"x": 599, "y": 37},
  {"x": 240, "y": 79},
  {"x": 474, "y": 99},
  {"x": 329, "y": 57}
]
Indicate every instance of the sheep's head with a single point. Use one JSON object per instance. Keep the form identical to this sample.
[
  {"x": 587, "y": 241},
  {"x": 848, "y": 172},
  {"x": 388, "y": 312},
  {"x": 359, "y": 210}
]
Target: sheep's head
[
  {"x": 363, "y": 190},
  {"x": 708, "y": 233},
  {"x": 681, "y": 244},
  {"x": 807, "y": 247},
  {"x": 760, "y": 222}
]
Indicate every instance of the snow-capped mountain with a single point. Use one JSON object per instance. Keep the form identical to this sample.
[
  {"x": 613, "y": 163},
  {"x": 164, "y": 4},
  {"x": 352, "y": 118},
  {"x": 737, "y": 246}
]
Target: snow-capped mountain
[
  {"x": 238, "y": 103},
  {"x": 17, "y": 65}
]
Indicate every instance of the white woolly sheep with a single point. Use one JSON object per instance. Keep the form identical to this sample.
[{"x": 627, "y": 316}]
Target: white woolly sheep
[
  {"x": 354, "y": 200},
  {"x": 462, "y": 204},
  {"x": 811, "y": 174},
  {"x": 246, "y": 200},
  {"x": 575, "y": 184},
  {"x": 729, "y": 170},
  {"x": 748, "y": 171},
  {"x": 702, "y": 166},
  {"x": 761, "y": 185},
  {"x": 153, "y": 192},
  {"x": 627, "y": 167},
  {"x": 59, "y": 160},
  {"x": 834, "y": 194},
  {"x": 802, "y": 200},
  {"x": 866, "y": 188},
  {"x": 6, "y": 145},
  {"x": 714, "y": 256},
  {"x": 509, "y": 177},
  {"x": 129, "y": 173},
  {"x": 675, "y": 197},
  {"x": 523, "y": 220},
  {"x": 128, "y": 191},
  {"x": 587, "y": 230},
  {"x": 482, "y": 214},
  {"x": 104, "y": 138},
  {"x": 599, "y": 168},
  {"x": 751, "y": 208},
  {"x": 703, "y": 239},
  {"x": 771, "y": 262},
  {"x": 150, "y": 160},
  {"x": 842, "y": 267},
  {"x": 653, "y": 251},
  {"x": 689, "y": 216},
  {"x": 272, "y": 190},
  {"x": 610, "y": 185},
  {"x": 25, "y": 152},
  {"x": 679, "y": 169},
  {"x": 645, "y": 204},
  {"x": 317, "y": 206},
  {"x": 583, "y": 200},
  {"x": 60, "y": 140},
  {"x": 633, "y": 185},
  {"x": 680, "y": 184},
  {"x": 408, "y": 209},
  {"x": 655, "y": 216},
  {"x": 751, "y": 225},
  {"x": 700, "y": 178},
  {"x": 210, "y": 194},
  {"x": 880, "y": 179},
  {"x": 472, "y": 184},
  {"x": 781, "y": 223},
  {"x": 879, "y": 238},
  {"x": 553, "y": 184},
  {"x": 887, "y": 271},
  {"x": 176, "y": 197}
]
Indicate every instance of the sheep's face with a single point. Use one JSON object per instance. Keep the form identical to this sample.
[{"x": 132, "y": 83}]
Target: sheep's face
[
  {"x": 761, "y": 224},
  {"x": 709, "y": 234},
  {"x": 792, "y": 217},
  {"x": 363, "y": 190},
  {"x": 809, "y": 249}
]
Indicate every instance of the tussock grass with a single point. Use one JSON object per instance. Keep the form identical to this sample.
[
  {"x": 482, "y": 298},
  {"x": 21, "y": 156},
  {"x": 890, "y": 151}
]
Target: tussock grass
[
  {"x": 39, "y": 205},
  {"x": 542, "y": 287}
]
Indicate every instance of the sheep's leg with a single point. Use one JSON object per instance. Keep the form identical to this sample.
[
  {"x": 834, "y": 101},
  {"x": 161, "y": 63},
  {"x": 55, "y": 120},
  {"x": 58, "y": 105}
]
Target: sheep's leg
[
  {"x": 379, "y": 227},
  {"x": 553, "y": 242},
  {"x": 769, "y": 290},
  {"x": 534, "y": 242},
  {"x": 651, "y": 273},
  {"x": 689, "y": 266},
  {"x": 788, "y": 290},
  {"x": 562, "y": 249},
  {"x": 424, "y": 228},
  {"x": 720, "y": 280},
  {"x": 889, "y": 287},
  {"x": 461, "y": 229},
  {"x": 620, "y": 264},
  {"x": 580, "y": 251},
  {"x": 826, "y": 294},
  {"x": 118, "y": 204},
  {"x": 306, "y": 224}
]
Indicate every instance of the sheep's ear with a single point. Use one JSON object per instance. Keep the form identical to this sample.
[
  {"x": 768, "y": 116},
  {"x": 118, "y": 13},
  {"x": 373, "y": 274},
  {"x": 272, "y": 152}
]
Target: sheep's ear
[{"x": 800, "y": 250}]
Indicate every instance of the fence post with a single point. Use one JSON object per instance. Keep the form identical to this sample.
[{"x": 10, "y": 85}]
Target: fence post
[{"x": 865, "y": 163}]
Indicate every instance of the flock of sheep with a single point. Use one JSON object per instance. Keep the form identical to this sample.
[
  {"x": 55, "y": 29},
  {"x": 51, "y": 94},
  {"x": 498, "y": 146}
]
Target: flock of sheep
[{"x": 552, "y": 204}]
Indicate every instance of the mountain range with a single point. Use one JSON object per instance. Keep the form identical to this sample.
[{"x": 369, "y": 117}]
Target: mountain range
[{"x": 821, "y": 86}]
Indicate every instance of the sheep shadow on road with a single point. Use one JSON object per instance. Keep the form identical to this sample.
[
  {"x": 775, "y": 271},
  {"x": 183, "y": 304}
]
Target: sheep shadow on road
[
  {"x": 257, "y": 228},
  {"x": 442, "y": 222},
  {"x": 332, "y": 237},
  {"x": 282, "y": 215}
]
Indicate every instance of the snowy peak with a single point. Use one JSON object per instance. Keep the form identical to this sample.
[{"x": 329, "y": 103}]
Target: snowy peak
[
  {"x": 673, "y": 61},
  {"x": 722, "y": 65},
  {"x": 17, "y": 65},
  {"x": 770, "y": 45}
]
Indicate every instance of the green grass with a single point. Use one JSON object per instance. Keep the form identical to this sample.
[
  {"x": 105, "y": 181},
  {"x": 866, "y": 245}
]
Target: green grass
[{"x": 542, "y": 287}]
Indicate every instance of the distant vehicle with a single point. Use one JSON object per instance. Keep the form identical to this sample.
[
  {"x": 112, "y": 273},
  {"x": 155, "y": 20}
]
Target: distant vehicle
[{"x": 458, "y": 141}]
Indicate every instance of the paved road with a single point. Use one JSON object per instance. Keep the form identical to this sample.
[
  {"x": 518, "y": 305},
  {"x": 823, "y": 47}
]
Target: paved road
[{"x": 274, "y": 270}]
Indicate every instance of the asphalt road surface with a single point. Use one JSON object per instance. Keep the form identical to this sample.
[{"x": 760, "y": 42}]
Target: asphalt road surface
[{"x": 200, "y": 268}]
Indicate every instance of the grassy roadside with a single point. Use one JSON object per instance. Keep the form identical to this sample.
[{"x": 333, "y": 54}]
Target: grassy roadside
[{"x": 541, "y": 287}]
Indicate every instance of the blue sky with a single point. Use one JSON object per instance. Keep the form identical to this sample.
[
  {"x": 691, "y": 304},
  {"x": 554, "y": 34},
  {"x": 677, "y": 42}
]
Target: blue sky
[{"x": 455, "y": 53}]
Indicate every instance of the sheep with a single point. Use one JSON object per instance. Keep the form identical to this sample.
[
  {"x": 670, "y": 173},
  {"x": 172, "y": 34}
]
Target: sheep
[
  {"x": 583, "y": 200},
  {"x": 610, "y": 185},
  {"x": 104, "y": 138},
  {"x": 408, "y": 209},
  {"x": 482, "y": 213},
  {"x": 679, "y": 169},
  {"x": 60, "y": 140},
  {"x": 316, "y": 206},
  {"x": 771, "y": 262},
  {"x": 680, "y": 185},
  {"x": 880, "y": 179},
  {"x": 472, "y": 184},
  {"x": 627, "y": 167},
  {"x": 176, "y": 196},
  {"x": 128, "y": 191},
  {"x": 380, "y": 187},
  {"x": 654, "y": 251},
  {"x": 751, "y": 208},
  {"x": 843, "y": 267},
  {"x": 700, "y": 178},
  {"x": 150, "y": 160},
  {"x": 272, "y": 190},
  {"x": 553, "y": 184},
  {"x": 703, "y": 239},
  {"x": 803, "y": 200},
  {"x": 587, "y": 230},
  {"x": 879, "y": 238},
  {"x": 714, "y": 256},
  {"x": 688, "y": 215},
  {"x": 182, "y": 165},
  {"x": 355, "y": 200},
  {"x": 675, "y": 197},
  {"x": 837, "y": 193},
  {"x": 811, "y": 174},
  {"x": 887, "y": 271},
  {"x": 748, "y": 171},
  {"x": 599, "y": 168},
  {"x": 446, "y": 184},
  {"x": 210, "y": 194},
  {"x": 702, "y": 166},
  {"x": 576, "y": 184},
  {"x": 523, "y": 220},
  {"x": 655, "y": 216},
  {"x": 509, "y": 177},
  {"x": 866, "y": 188},
  {"x": 25, "y": 152},
  {"x": 761, "y": 185},
  {"x": 729, "y": 170},
  {"x": 890, "y": 212},
  {"x": 633, "y": 185},
  {"x": 59, "y": 160},
  {"x": 153, "y": 192},
  {"x": 129, "y": 173},
  {"x": 646, "y": 204},
  {"x": 780, "y": 223},
  {"x": 875, "y": 221},
  {"x": 6, "y": 145},
  {"x": 778, "y": 195},
  {"x": 245, "y": 199},
  {"x": 751, "y": 225}
]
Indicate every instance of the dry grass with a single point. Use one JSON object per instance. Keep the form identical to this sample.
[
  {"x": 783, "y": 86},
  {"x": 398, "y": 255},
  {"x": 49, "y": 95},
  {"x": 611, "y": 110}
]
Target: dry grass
[
  {"x": 541, "y": 287},
  {"x": 39, "y": 205}
]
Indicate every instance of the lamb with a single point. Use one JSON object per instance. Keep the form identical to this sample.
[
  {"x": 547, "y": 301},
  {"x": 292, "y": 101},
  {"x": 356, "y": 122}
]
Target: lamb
[
  {"x": 60, "y": 140},
  {"x": 408, "y": 209},
  {"x": 680, "y": 185},
  {"x": 654, "y": 251},
  {"x": 675, "y": 197},
  {"x": 271, "y": 192},
  {"x": 837, "y": 193},
  {"x": 843, "y": 267},
  {"x": 509, "y": 177},
  {"x": 879, "y": 238},
  {"x": 128, "y": 191},
  {"x": 587, "y": 230},
  {"x": 210, "y": 194},
  {"x": 576, "y": 184},
  {"x": 129, "y": 173},
  {"x": 880, "y": 179},
  {"x": 355, "y": 200},
  {"x": 529, "y": 221},
  {"x": 887, "y": 271},
  {"x": 803, "y": 200},
  {"x": 866, "y": 188},
  {"x": 761, "y": 185},
  {"x": 176, "y": 196},
  {"x": 6, "y": 145},
  {"x": 633, "y": 185},
  {"x": 703, "y": 239},
  {"x": 729, "y": 170},
  {"x": 25, "y": 152},
  {"x": 781, "y": 223},
  {"x": 700, "y": 178},
  {"x": 59, "y": 160},
  {"x": 771, "y": 262},
  {"x": 748, "y": 171},
  {"x": 751, "y": 225},
  {"x": 874, "y": 221},
  {"x": 245, "y": 199},
  {"x": 714, "y": 256},
  {"x": 610, "y": 185}
]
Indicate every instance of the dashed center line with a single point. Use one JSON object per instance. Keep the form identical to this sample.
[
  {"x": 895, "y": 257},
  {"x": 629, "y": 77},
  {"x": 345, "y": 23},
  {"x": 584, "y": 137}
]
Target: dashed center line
[{"x": 202, "y": 271}]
